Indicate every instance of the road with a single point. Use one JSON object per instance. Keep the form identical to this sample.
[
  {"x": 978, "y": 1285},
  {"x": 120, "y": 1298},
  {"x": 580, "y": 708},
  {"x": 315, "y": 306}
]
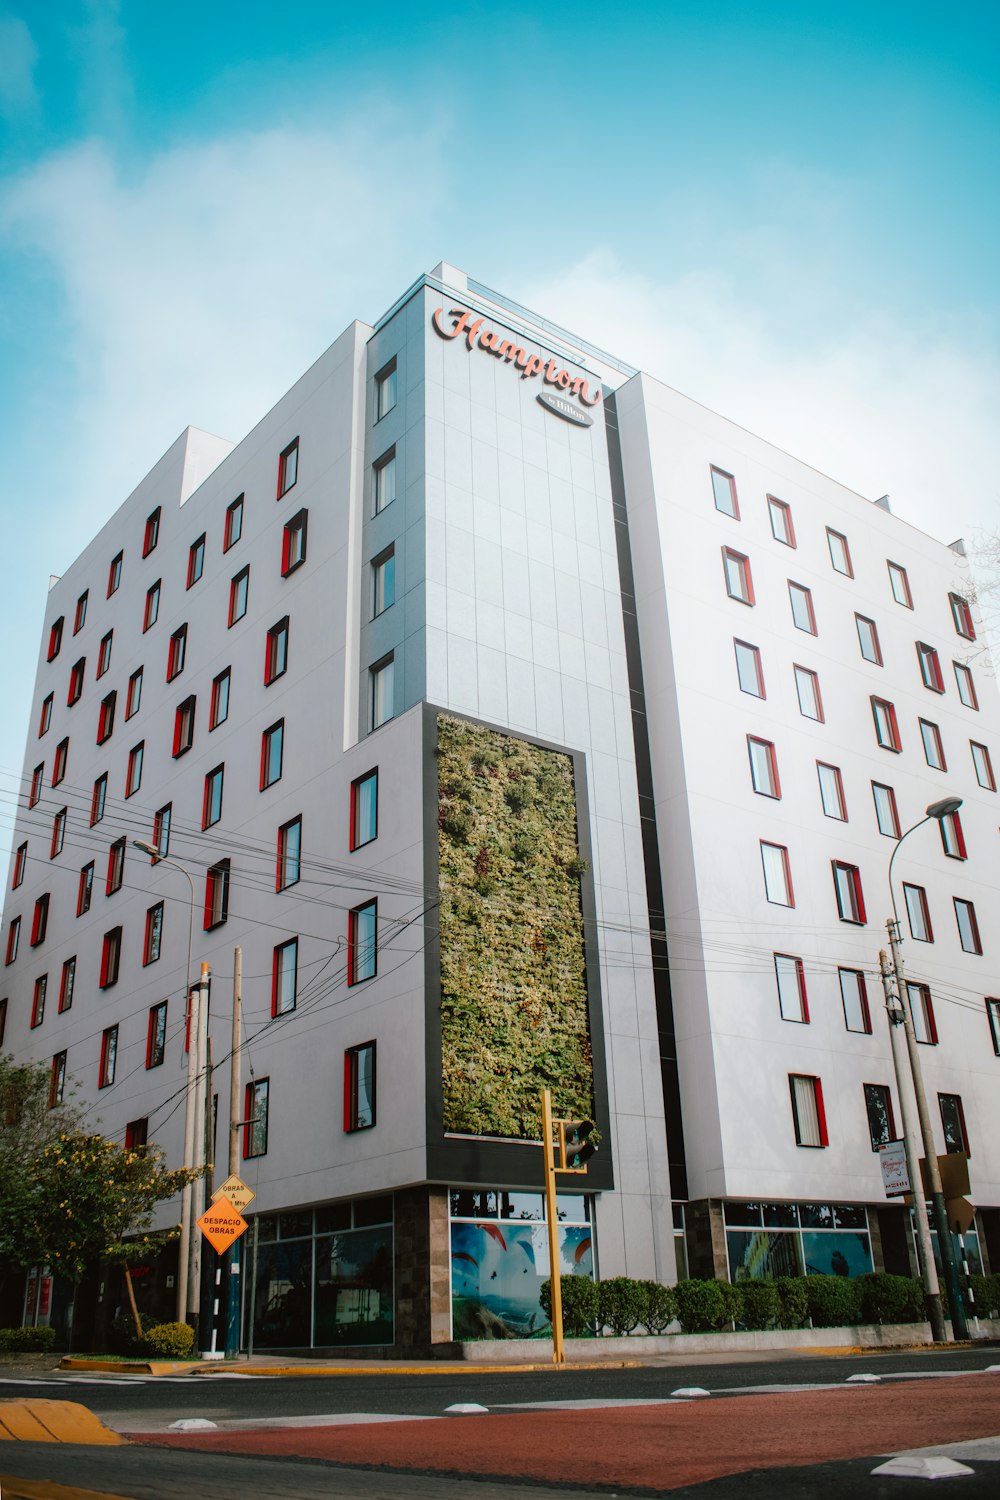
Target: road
[{"x": 783, "y": 1426}]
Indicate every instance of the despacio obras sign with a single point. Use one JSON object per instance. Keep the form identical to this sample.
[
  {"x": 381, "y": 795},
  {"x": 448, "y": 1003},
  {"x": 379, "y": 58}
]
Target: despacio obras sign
[{"x": 568, "y": 389}]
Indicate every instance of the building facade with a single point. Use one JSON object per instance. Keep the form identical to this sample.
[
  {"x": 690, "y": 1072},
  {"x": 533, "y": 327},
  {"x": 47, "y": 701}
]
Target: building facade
[{"x": 524, "y": 724}]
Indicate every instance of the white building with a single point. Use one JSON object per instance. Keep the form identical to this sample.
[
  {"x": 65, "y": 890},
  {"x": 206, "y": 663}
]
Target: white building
[{"x": 356, "y": 674}]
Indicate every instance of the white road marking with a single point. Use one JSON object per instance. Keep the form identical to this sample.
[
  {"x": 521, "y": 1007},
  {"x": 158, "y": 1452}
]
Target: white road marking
[
  {"x": 588, "y": 1405},
  {"x": 135, "y": 1422}
]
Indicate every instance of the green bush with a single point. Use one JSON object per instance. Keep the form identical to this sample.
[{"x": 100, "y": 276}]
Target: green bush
[
  {"x": 890, "y": 1299},
  {"x": 661, "y": 1306},
  {"x": 701, "y": 1305},
  {"x": 123, "y": 1335},
  {"x": 169, "y": 1340},
  {"x": 986, "y": 1290},
  {"x": 623, "y": 1304},
  {"x": 581, "y": 1302},
  {"x": 793, "y": 1301},
  {"x": 760, "y": 1303},
  {"x": 732, "y": 1300},
  {"x": 834, "y": 1301},
  {"x": 27, "y": 1340}
]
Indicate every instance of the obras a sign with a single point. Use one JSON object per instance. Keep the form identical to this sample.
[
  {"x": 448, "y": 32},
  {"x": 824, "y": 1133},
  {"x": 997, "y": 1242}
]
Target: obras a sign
[{"x": 568, "y": 390}]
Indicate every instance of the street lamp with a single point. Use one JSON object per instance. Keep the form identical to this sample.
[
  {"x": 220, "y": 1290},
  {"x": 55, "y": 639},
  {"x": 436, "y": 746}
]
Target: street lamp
[
  {"x": 935, "y": 812},
  {"x": 184, "y": 1256}
]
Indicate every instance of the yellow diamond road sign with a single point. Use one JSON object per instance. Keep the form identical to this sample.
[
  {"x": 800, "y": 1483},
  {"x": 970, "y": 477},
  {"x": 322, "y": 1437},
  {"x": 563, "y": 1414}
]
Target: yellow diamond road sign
[
  {"x": 222, "y": 1224},
  {"x": 236, "y": 1190}
]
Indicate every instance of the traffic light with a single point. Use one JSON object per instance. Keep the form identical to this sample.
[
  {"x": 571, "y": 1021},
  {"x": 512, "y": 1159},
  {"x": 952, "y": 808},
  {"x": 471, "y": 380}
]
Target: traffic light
[{"x": 578, "y": 1140}]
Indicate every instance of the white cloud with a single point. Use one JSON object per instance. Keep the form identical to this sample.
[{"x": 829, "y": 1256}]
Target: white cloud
[{"x": 17, "y": 75}]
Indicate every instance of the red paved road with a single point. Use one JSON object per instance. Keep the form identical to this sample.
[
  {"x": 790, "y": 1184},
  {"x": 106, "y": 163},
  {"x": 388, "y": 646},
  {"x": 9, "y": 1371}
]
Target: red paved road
[{"x": 657, "y": 1447}]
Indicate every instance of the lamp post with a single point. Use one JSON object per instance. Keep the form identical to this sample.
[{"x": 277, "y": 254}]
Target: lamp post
[
  {"x": 194, "y": 1001},
  {"x": 935, "y": 812}
]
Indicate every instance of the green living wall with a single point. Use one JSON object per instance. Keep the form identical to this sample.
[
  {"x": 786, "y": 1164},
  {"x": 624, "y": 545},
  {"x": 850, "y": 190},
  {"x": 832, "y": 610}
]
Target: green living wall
[{"x": 513, "y": 974}]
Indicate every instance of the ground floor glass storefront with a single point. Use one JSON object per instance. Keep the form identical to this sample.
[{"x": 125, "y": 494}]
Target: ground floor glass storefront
[
  {"x": 766, "y": 1240},
  {"x": 500, "y": 1257},
  {"x": 322, "y": 1277}
]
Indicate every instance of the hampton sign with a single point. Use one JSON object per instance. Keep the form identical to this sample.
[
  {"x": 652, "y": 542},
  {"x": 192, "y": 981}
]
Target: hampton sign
[{"x": 570, "y": 394}]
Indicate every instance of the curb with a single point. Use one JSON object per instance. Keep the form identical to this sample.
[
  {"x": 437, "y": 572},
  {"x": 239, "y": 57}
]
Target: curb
[
  {"x": 43, "y": 1421},
  {"x": 44, "y": 1489},
  {"x": 378, "y": 1368},
  {"x": 131, "y": 1367}
]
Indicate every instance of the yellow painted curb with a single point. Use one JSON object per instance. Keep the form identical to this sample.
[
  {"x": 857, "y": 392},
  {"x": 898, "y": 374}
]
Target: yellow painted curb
[
  {"x": 440, "y": 1367},
  {"x": 131, "y": 1367},
  {"x": 44, "y": 1489},
  {"x": 38, "y": 1421}
]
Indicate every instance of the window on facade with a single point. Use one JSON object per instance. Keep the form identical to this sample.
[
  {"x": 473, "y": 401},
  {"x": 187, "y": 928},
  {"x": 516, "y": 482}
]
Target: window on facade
[
  {"x": 76, "y": 676},
  {"x": 385, "y": 390},
  {"x": 739, "y": 584},
  {"x": 239, "y": 590},
  {"x": 133, "y": 776},
  {"x": 993, "y": 1017},
  {"x": 3, "y": 1019},
  {"x": 362, "y": 926},
  {"x": 255, "y": 1104},
  {"x": 288, "y": 468},
  {"x": 952, "y": 836},
  {"x": 968, "y": 927},
  {"x": 111, "y": 953},
  {"x": 153, "y": 935},
  {"x": 57, "y": 1081},
  {"x": 763, "y": 767},
  {"x": 807, "y": 688},
  {"x": 55, "y": 637},
  {"x": 922, "y": 1011},
  {"x": 106, "y": 718},
  {"x": 85, "y": 889},
  {"x": 956, "y": 1137},
  {"x": 724, "y": 490},
  {"x": 134, "y": 696},
  {"x": 161, "y": 831},
  {"x": 850, "y": 900},
  {"x": 116, "y": 867},
  {"x": 59, "y": 761},
  {"x": 803, "y": 615},
  {"x": 80, "y": 618},
  {"x": 961, "y": 614},
  {"x": 151, "y": 613},
  {"x": 293, "y": 543},
  {"x": 359, "y": 1087},
  {"x": 831, "y": 791},
  {"x": 881, "y": 1121},
  {"x": 137, "y": 1133},
  {"x": 211, "y": 807},
  {"x": 20, "y": 863},
  {"x": 289, "y": 854},
  {"x": 67, "y": 984},
  {"x": 886, "y": 725},
  {"x": 115, "y": 573},
  {"x": 284, "y": 977},
  {"x": 781, "y": 521},
  {"x": 930, "y": 667},
  {"x": 791, "y": 978},
  {"x": 35, "y": 790},
  {"x": 45, "y": 718},
  {"x": 840, "y": 553},
  {"x": 984, "y": 766},
  {"x": 58, "y": 832},
  {"x": 854, "y": 995},
  {"x": 276, "y": 652},
  {"x": 900, "y": 585},
  {"x": 109, "y": 1057},
  {"x": 177, "y": 653},
  {"x": 156, "y": 1035},
  {"x": 808, "y": 1114},
  {"x": 234, "y": 524},
  {"x": 868, "y": 639},
  {"x": 930, "y": 734},
  {"x": 966, "y": 685},
  {"x": 13, "y": 939},
  {"x": 104, "y": 653},
  {"x": 219, "y": 710},
  {"x": 40, "y": 920},
  {"x": 380, "y": 700},
  {"x": 364, "y": 809},
  {"x": 217, "y": 894},
  {"x": 885, "y": 810},
  {"x": 184, "y": 726},
  {"x": 152, "y": 534},
  {"x": 272, "y": 748},
  {"x": 384, "y": 481},
  {"x": 196, "y": 561},
  {"x": 38, "y": 1000},
  {"x": 918, "y": 913},
  {"x": 777, "y": 874},
  {"x": 383, "y": 581},
  {"x": 748, "y": 669}
]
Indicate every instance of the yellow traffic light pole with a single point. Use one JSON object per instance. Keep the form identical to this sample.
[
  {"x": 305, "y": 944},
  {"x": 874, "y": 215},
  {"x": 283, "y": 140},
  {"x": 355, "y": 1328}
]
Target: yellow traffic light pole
[{"x": 555, "y": 1284}]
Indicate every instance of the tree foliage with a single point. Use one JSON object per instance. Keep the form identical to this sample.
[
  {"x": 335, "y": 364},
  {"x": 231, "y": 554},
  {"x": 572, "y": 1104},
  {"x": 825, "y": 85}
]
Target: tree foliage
[{"x": 27, "y": 1126}]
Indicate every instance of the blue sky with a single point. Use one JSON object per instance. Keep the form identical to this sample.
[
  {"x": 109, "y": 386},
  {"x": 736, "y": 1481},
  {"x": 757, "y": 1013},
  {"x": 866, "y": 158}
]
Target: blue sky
[{"x": 787, "y": 211}]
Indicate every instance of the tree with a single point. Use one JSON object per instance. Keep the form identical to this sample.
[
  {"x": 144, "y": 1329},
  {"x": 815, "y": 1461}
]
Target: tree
[{"x": 27, "y": 1126}]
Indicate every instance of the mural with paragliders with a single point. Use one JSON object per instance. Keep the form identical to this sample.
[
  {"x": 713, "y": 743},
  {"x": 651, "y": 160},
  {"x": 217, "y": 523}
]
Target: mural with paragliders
[{"x": 497, "y": 1272}]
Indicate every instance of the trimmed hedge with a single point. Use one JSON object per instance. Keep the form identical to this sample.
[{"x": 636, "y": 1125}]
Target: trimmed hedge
[
  {"x": 986, "y": 1291},
  {"x": 169, "y": 1340},
  {"x": 834, "y": 1301},
  {"x": 27, "y": 1340},
  {"x": 890, "y": 1299},
  {"x": 661, "y": 1306},
  {"x": 623, "y": 1304},
  {"x": 581, "y": 1303},
  {"x": 793, "y": 1301},
  {"x": 702, "y": 1306},
  {"x": 760, "y": 1304}
]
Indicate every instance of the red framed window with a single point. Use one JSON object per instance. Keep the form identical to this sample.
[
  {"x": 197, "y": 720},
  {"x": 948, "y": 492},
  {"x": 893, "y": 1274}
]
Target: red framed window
[
  {"x": 153, "y": 935},
  {"x": 272, "y": 749},
  {"x": 80, "y": 617},
  {"x": 983, "y": 766},
  {"x": 233, "y": 529},
  {"x": 67, "y": 984},
  {"x": 793, "y": 1002},
  {"x": 359, "y": 1087},
  {"x": 177, "y": 653},
  {"x": 211, "y": 806},
  {"x": 106, "y": 717},
  {"x": 40, "y": 920},
  {"x": 115, "y": 573},
  {"x": 196, "y": 561},
  {"x": 184, "y": 726},
  {"x": 831, "y": 791},
  {"x": 289, "y": 854},
  {"x": 952, "y": 836},
  {"x": 152, "y": 532},
  {"x": 749, "y": 672},
  {"x": 59, "y": 761},
  {"x": 930, "y": 736},
  {"x": 956, "y": 1135},
  {"x": 35, "y": 789},
  {"x": 134, "y": 696},
  {"x": 133, "y": 776},
  {"x": 156, "y": 1035},
  {"x": 76, "y": 676},
  {"x": 55, "y": 637},
  {"x": 293, "y": 543},
  {"x": 85, "y": 889},
  {"x": 992, "y": 1016},
  {"x": 20, "y": 864},
  {"x": 111, "y": 953},
  {"x": 364, "y": 809},
  {"x": 151, "y": 612},
  {"x": 886, "y": 724},
  {"x": 868, "y": 639},
  {"x": 763, "y": 767},
  {"x": 847, "y": 885},
  {"x": 216, "y": 894},
  {"x": 966, "y": 685},
  {"x": 803, "y": 614},
  {"x": 886, "y": 813},
  {"x": 137, "y": 1134},
  {"x": 161, "y": 831},
  {"x": 288, "y": 468},
  {"x": 38, "y": 1000},
  {"x": 739, "y": 582},
  {"x": 104, "y": 653},
  {"x": 808, "y": 1114},
  {"x": 854, "y": 997},
  {"x": 881, "y": 1120},
  {"x": 777, "y": 874},
  {"x": 276, "y": 652},
  {"x": 239, "y": 592},
  {"x": 968, "y": 926},
  {"x": 922, "y": 1012},
  {"x": 3, "y": 1019},
  {"x": 362, "y": 942},
  {"x": 255, "y": 1111},
  {"x": 109, "y": 1057},
  {"x": 219, "y": 707},
  {"x": 840, "y": 552},
  {"x": 781, "y": 521},
  {"x": 961, "y": 615},
  {"x": 57, "y": 1080},
  {"x": 930, "y": 667},
  {"x": 13, "y": 940},
  {"x": 808, "y": 693},
  {"x": 45, "y": 717},
  {"x": 284, "y": 977},
  {"x": 724, "y": 493},
  {"x": 918, "y": 913},
  {"x": 900, "y": 584},
  {"x": 116, "y": 867},
  {"x": 98, "y": 799},
  {"x": 58, "y": 832}
]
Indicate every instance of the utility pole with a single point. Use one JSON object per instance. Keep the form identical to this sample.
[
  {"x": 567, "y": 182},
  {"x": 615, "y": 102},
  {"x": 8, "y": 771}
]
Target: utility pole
[
  {"x": 187, "y": 1192},
  {"x": 925, "y": 1254},
  {"x": 199, "y": 1047},
  {"x": 233, "y": 1257}
]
